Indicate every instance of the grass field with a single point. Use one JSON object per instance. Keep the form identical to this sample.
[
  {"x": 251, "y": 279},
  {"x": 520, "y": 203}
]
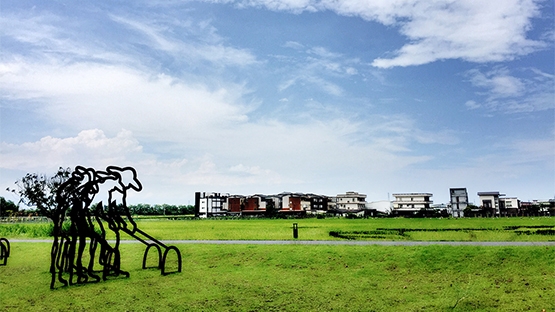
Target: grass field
[
  {"x": 304, "y": 277},
  {"x": 298, "y": 278},
  {"x": 467, "y": 229}
]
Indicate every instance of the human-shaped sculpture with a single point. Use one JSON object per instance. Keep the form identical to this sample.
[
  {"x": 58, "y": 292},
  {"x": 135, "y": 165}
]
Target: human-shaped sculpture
[
  {"x": 74, "y": 199},
  {"x": 4, "y": 250}
]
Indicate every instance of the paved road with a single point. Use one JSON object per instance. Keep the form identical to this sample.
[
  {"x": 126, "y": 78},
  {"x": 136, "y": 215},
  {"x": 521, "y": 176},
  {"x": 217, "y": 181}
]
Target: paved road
[{"x": 322, "y": 242}]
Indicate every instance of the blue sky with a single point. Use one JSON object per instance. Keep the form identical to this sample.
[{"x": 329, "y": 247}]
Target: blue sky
[{"x": 266, "y": 96}]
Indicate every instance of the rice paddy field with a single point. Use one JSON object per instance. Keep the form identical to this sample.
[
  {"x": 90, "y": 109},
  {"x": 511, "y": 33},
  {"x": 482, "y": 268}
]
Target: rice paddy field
[
  {"x": 247, "y": 277},
  {"x": 464, "y": 229}
]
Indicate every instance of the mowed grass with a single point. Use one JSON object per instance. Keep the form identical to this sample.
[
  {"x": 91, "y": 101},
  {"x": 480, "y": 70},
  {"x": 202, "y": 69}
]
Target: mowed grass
[
  {"x": 319, "y": 229},
  {"x": 465, "y": 229},
  {"x": 298, "y": 278}
]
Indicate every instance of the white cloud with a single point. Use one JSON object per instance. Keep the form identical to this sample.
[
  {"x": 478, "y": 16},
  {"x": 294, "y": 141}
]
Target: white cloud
[
  {"x": 265, "y": 157},
  {"x": 180, "y": 124},
  {"x": 51, "y": 35},
  {"x": 90, "y": 147},
  {"x": 503, "y": 91},
  {"x": 294, "y": 45},
  {"x": 48, "y": 36},
  {"x": 472, "y": 105},
  {"x": 351, "y": 71},
  {"x": 319, "y": 67},
  {"x": 194, "y": 120},
  {"x": 188, "y": 129},
  {"x": 93, "y": 95},
  {"x": 475, "y": 31},
  {"x": 203, "y": 44},
  {"x": 499, "y": 82}
]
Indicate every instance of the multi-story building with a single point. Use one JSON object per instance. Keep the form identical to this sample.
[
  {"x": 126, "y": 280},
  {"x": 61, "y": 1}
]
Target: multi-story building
[
  {"x": 318, "y": 203},
  {"x": 210, "y": 204},
  {"x": 254, "y": 205},
  {"x": 489, "y": 202},
  {"x": 511, "y": 206},
  {"x": 459, "y": 201},
  {"x": 291, "y": 202},
  {"x": 411, "y": 203},
  {"x": 235, "y": 204},
  {"x": 350, "y": 201}
]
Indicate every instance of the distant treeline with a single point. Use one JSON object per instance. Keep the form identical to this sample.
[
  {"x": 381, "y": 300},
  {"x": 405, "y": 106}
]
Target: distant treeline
[
  {"x": 9, "y": 209},
  {"x": 164, "y": 209}
]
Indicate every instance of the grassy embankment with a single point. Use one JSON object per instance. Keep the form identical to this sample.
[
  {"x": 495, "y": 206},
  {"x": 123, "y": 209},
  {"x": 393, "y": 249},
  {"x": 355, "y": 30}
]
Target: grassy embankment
[
  {"x": 298, "y": 278},
  {"x": 468, "y": 229}
]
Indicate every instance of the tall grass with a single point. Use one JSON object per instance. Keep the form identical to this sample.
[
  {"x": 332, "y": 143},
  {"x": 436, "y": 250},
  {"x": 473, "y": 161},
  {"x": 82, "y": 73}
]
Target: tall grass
[{"x": 26, "y": 230}]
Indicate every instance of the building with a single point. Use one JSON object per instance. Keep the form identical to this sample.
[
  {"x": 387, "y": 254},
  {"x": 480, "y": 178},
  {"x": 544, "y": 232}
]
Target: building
[
  {"x": 410, "y": 204},
  {"x": 538, "y": 208},
  {"x": 210, "y": 204},
  {"x": 291, "y": 202},
  {"x": 318, "y": 203},
  {"x": 254, "y": 205},
  {"x": 459, "y": 201},
  {"x": 489, "y": 202},
  {"x": 348, "y": 204},
  {"x": 350, "y": 201},
  {"x": 510, "y": 205},
  {"x": 235, "y": 204}
]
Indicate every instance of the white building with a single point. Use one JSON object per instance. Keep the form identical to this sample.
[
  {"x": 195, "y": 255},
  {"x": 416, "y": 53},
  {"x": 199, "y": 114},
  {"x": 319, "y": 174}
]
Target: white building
[
  {"x": 509, "y": 205},
  {"x": 411, "y": 203},
  {"x": 210, "y": 204},
  {"x": 350, "y": 201},
  {"x": 490, "y": 201},
  {"x": 459, "y": 201}
]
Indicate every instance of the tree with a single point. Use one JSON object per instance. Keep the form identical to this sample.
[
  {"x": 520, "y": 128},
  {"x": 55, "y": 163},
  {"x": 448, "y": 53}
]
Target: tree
[
  {"x": 534, "y": 209},
  {"x": 39, "y": 190},
  {"x": 186, "y": 209},
  {"x": 271, "y": 210},
  {"x": 469, "y": 210},
  {"x": 164, "y": 209},
  {"x": 7, "y": 207}
]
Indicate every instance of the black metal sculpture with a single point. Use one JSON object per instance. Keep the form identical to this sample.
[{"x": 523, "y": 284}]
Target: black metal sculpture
[
  {"x": 4, "y": 251},
  {"x": 74, "y": 199}
]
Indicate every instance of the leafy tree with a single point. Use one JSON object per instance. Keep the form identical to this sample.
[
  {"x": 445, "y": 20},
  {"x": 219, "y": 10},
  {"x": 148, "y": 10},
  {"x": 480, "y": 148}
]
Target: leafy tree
[
  {"x": 468, "y": 210},
  {"x": 7, "y": 207},
  {"x": 271, "y": 210},
  {"x": 39, "y": 190},
  {"x": 186, "y": 209}
]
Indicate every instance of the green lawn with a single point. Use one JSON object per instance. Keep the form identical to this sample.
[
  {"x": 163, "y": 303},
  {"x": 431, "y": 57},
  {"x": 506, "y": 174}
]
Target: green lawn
[
  {"x": 466, "y": 229},
  {"x": 298, "y": 278}
]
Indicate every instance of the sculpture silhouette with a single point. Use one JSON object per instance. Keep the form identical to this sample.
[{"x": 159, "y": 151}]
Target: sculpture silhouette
[
  {"x": 74, "y": 199},
  {"x": 4, "y": 251}
]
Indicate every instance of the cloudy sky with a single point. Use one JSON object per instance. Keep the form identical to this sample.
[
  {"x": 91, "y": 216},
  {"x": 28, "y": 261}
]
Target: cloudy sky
[{"x": 266, "y": 96}]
